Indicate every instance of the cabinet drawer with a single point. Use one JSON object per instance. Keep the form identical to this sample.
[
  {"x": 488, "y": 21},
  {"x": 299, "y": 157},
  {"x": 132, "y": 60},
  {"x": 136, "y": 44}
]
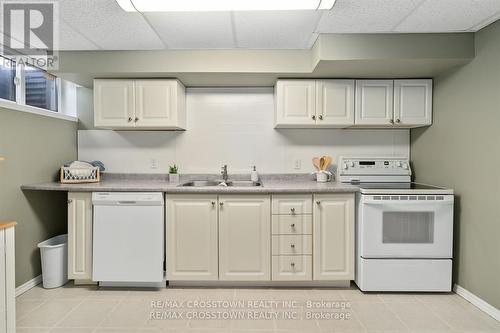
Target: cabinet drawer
[
  {"x": 292, "y": 244},
  {"x": 292, "y": 268},
  {"x": 292, "y": 204},
  {"x": 292, "y": 224}
]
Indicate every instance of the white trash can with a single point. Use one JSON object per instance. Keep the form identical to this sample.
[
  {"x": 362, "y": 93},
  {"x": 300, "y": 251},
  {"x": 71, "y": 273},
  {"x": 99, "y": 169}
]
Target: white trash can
[{"x": 54, "y": 254}]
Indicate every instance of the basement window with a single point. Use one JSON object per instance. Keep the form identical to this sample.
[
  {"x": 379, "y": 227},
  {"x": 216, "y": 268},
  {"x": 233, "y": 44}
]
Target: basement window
[
  {"x": 31, "y": 89},
  {"x": 7, "y": 76},
  {"x": 40, "y": 88}
]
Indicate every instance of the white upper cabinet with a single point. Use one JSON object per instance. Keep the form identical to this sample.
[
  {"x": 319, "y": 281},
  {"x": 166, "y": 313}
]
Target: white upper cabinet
[
  {"x": 114, "y": 103},
  {"x": 374, "y": 102},
  {"x": 314, "y": 103},
  {"x": 295, "y": 102},
  {"x": 335, "y": 103},
  {"x": 412, "y": 102},
  {"x": 393, "y": 103},
  {"x": 139, "y": 104}
]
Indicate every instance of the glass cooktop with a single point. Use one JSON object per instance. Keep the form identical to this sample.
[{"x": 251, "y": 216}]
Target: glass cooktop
[{"x": 402, "y": 186}]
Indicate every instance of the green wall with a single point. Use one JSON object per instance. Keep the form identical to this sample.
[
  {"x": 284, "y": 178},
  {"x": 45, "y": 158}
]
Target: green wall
[
  {"x": 34, "y": 147},
  {"x": 461, "y": 150}
]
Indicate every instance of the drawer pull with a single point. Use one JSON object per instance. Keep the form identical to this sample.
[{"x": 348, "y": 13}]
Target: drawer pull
[
  {"x": 293, "y": 210},
  {"x": 292, "y": 225},
  {"x": 292, "y": 246},
  {"x": 318, "y": 202},
  {"x": 213, "y": 203},
  {"x": 292, "y": 264}
]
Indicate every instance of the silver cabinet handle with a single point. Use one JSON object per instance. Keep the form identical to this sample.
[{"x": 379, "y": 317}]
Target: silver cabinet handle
[
  {"x": 130, "y": 119},
  {"x": 213, "y": 203},
  {"x": 70, "y": 201},
  {"x": 292, "y": 210},
  {"x": 313, "y": 117},
  {"x": 320, "y": 117},
  {"x": 398, "y": 121},
  {"x": 292, "y": 225},
  {"x": 221, "y": 204},
  {"x": 292, "y": 246},
  {"x": 318, "y": 202},
  {"x": 391, "y": 121},
  {"x": 292, "y": 264},
  {"x": 136, "y": 119}
]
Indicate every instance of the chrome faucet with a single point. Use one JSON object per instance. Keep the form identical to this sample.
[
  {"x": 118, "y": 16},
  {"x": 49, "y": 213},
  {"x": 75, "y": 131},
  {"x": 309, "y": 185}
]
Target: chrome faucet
[{"x": 224, "y": 173}]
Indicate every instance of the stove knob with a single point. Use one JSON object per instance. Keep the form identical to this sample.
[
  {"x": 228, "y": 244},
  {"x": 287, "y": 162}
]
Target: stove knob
[
  {"x": 351, "y": 164},
  {"x": 344, "y": 166},
  {"x": 398, "y": 164},
  {"x": 405, "y": 166}
]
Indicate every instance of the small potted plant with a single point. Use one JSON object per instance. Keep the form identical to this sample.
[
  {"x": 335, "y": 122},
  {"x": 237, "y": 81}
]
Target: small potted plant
[{"x": 173, "y": 176}]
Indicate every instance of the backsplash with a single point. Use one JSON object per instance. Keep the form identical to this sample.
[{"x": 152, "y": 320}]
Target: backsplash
[{"x": 233, "y": 126}]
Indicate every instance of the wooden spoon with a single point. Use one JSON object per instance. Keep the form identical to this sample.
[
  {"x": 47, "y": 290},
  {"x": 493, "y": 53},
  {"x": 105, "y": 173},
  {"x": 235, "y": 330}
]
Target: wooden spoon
[
  {"x": 328, "y": 161},
  {"x": 315, "y": 161},
  {"x": 322, "y": 163}
]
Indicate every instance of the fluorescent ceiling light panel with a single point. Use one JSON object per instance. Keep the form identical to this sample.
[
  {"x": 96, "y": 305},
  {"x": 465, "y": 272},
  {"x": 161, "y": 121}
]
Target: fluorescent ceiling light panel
[{"x": 222, "y": 5}]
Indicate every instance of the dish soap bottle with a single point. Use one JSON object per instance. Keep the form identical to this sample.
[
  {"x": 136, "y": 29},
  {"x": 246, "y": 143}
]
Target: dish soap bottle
[{"x": 254, "y": 176}]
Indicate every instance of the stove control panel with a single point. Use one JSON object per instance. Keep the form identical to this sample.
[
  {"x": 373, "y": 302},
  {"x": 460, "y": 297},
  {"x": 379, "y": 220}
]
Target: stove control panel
[{"x": 374, "y": 169}]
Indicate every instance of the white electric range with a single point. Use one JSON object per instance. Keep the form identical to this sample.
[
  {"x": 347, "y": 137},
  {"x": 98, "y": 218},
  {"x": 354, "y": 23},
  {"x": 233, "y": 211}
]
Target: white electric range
[{"x": 404, "y": 230}]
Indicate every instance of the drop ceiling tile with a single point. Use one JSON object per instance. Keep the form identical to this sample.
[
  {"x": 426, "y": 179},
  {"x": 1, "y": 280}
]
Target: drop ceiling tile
[
  {"x": 108, "y": 26},
  {"x": 71, "y": 40},
  {"x": 193, "y": 30},
  {"x": 275, "y": 29},
  {"x": 450, "y": 15},
  {"x": 365, "y": 16}
]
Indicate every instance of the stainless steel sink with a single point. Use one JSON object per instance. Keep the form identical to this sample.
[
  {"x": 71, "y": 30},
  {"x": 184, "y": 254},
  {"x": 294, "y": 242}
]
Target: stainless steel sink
[
  {"x": 243, "y": 183},
  {"x": 232, "y": 183},
  {"x": 200, "y": 183}
]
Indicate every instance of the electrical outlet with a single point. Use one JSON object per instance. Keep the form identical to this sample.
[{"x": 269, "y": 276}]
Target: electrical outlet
[
  {"x": 297, "y": 164},
  {"x": 154, "y": 163}
]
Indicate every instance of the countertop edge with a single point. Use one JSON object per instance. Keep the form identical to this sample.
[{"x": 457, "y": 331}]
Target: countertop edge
[{"x": 179, "y": 190}]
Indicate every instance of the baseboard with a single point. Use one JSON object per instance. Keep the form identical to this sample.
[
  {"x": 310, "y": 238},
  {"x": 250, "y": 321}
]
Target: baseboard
[
  {"x": 28, "y": 285},
  {"x": 478, "y": 302}
]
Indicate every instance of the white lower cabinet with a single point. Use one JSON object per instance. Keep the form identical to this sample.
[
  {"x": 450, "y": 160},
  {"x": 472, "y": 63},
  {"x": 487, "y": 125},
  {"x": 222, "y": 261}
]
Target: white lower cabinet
[
  {"x": 244, "y": 238},
  {"x": 333, "y": 237},
  {"x": 192, "y": 237},
  {"x": 80, "y": 235},
  {"x": 238, "y": 237}
]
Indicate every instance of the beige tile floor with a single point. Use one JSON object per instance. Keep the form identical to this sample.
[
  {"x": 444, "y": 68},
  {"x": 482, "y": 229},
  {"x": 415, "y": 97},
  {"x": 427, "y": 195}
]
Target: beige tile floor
[{"x": 90, "y": 309}]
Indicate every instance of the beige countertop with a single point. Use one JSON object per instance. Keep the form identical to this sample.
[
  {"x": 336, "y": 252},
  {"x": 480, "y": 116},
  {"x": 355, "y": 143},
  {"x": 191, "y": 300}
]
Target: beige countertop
[{"x": 275, "y": 183}]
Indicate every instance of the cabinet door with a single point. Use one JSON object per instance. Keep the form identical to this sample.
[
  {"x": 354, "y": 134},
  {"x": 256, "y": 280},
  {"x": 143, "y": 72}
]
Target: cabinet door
[
  {"x": 192, "y": 240},
  {"x": 333, "y": 237},
  {"x": 335, "y": 103},
  {"x": 244, "y": 238},
  {"x": 80, "y": 236},
  {"x": 156, "y": 103},
  {"x": 114, "y": 105},
  {"x": 413, "y": 102},
  {"x": 374, "y": 102},
  {"x": 295, "y": 102}
]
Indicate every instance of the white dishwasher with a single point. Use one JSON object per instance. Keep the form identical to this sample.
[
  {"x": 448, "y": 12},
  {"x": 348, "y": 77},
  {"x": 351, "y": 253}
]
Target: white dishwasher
[{"x": 128, "y": 238}]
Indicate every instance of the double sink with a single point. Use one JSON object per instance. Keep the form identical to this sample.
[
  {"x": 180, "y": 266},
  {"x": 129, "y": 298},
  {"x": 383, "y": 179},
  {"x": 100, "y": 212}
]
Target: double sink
[{"x": 231, "y": 183}]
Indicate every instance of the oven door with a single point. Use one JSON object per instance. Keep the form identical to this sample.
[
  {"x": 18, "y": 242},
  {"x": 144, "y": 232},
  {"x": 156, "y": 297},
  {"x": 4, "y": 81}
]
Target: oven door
[{"x": 406, "y": 226}]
